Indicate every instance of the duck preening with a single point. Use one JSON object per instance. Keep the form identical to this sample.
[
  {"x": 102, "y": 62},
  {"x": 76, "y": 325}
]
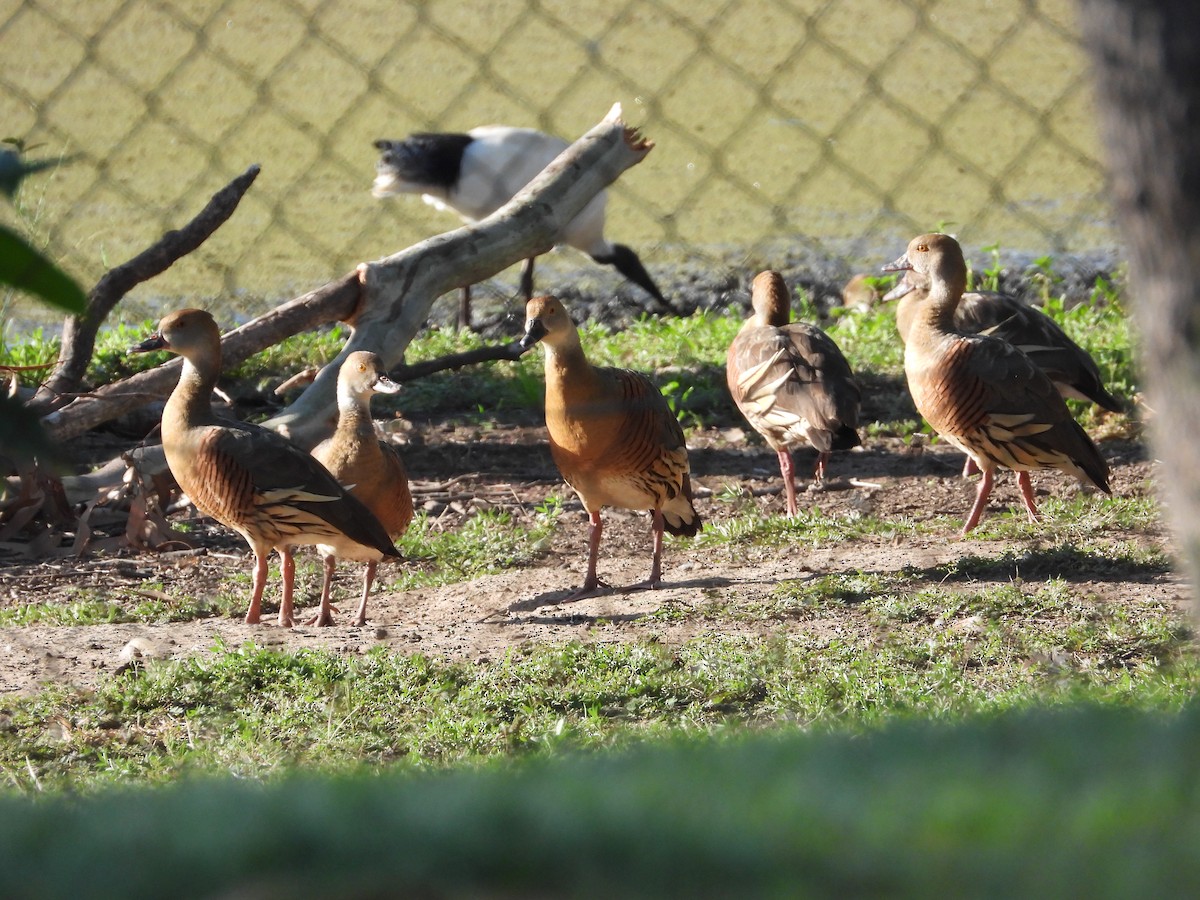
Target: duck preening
[
  {"x": 247, "y": 477},
  {"x": 791, "y": 382},
  {"x": 477, "y": 172},
  {"x": 612, "y": 436},
  {"x": 981, "y": 393}
]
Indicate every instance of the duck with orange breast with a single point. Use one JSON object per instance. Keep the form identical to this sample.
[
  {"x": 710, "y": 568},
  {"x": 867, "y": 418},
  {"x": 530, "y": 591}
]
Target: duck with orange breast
[
  {"x": 981, "y": 393},
  {"x": 613, "y": 438},
  {"x": 370, "y": 468}
]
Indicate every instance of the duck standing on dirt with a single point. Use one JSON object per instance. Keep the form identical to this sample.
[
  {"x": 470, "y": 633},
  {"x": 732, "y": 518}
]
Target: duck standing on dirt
[
  {"x": 612, "y": 436},
  {"x": 250, "y": 478},
  {"x": 791, "y": 382},
  {"x": 983, "y": 394},
  {"x": 369, "y": 468},
  {"x": 475, "y": 173}
]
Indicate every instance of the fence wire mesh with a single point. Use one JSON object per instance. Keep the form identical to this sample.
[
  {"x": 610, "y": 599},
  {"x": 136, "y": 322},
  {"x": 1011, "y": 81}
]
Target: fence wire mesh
[{"x": 836, "y": 129}]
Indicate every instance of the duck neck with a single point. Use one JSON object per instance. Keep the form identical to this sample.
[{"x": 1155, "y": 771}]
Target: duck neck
[
  {"x": 354, "y": 417},
  {"x": 568, "y": 370},
  {"x": 771, "y": 317},
  {"x": 937, "y": 310},
  {"x": 189, "y": 404}
]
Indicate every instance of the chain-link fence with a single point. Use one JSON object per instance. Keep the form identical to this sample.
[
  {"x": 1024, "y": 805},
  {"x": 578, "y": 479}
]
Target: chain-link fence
[{"x": 839, "y": 127}]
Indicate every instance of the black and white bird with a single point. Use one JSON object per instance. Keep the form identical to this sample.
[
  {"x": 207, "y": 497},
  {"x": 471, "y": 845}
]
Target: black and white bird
[{"x": 475, "y": 173}]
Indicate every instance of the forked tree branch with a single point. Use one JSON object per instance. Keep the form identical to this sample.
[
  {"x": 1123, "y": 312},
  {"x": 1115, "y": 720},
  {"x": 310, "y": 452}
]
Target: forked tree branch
[
  {"x": 386, "y": 302},
  {"x": 79, "y": 332}
]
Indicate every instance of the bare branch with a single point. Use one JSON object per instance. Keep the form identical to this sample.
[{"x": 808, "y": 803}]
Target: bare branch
[
  {"x": 330, "y": 303},
  {"x": 79, "y": 332},
  {"x": 511, "y": 352}
]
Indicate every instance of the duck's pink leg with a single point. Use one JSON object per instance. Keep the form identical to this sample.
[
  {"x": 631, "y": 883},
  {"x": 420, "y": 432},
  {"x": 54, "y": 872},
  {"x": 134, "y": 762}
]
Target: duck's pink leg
[
  {"x": 324, "y": 614},
  {"x": 981, "y": 498},
  {"x": 287, "y": 567},
  {"x": 254, "y": 613},
  {"x": 591, "y": 583},
  {"x": 656, "y": 565},
  {"x": 360, "y": 618},
  {"x": 787, "y": 470},
  {"x": 1027, "y": 495},
  {"x": 819, "y": 468}
]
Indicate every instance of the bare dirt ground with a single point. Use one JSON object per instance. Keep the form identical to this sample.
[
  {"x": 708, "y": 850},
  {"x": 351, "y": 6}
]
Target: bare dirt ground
[{"x": 483, "y": 619}]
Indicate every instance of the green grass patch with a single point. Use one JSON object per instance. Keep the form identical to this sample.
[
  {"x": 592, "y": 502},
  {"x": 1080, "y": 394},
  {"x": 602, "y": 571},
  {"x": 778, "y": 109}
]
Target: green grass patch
[
  {"x": 151, "y": 604},
  {"x": 1075, "y": 517},
  {"x": 1079, "y": 517},
  {"x": 77, "y": 609},
  {"x": 809, "y": 527},
  {"x": 892, "y": 645},
  {"x": 484, "y": 544}
]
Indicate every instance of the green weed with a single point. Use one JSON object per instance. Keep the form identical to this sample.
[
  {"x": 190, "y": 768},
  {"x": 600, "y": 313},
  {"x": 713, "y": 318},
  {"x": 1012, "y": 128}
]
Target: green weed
[
  {"x": 483, "y": 544},
  {"x": 258, "y": 712}
]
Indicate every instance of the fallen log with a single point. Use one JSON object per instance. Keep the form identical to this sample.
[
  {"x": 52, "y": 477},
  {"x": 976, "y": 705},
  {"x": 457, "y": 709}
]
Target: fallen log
[
  {"x": 398, "y": 291},
  {"x": 387, "y": 301}
]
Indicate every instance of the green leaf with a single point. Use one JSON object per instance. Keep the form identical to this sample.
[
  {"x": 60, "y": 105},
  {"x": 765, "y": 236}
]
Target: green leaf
[{"x": 24, "y": 268}]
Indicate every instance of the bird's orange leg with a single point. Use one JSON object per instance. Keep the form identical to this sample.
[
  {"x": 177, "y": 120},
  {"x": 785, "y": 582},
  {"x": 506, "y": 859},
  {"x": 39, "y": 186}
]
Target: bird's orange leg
[
  {"x": 655, "y": 579},
  {"x": 324, "y": 614},
  {"x": 787, "y": 470},
  {"x": 656, "y": 565},
  {"x": 1027, "y": 495},
  {"x": 254, "y": 613},
  {"x": 591, "y": 583},
  {"x": 819, "y": 468},
  {"x": 287, "y": 567},
  {"x": 981, "y": 498}
]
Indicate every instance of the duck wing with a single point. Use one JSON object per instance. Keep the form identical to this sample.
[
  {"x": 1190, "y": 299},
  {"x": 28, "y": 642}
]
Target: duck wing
[
  {"x": 993, "y": 401},
  {"x": 1041, "y": 338},
  {"x": 259, "y": 483},
  {"x": 794, "y": 384}
]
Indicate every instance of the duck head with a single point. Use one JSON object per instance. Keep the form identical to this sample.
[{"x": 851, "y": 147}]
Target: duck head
[
  {"x": 931, "y": 258},
  {"x": 363, "y": 373},
  {"x": 546, "y": 319},
  {"x": 770, "y": 298},
  {"x": 185, "y": 331}
]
